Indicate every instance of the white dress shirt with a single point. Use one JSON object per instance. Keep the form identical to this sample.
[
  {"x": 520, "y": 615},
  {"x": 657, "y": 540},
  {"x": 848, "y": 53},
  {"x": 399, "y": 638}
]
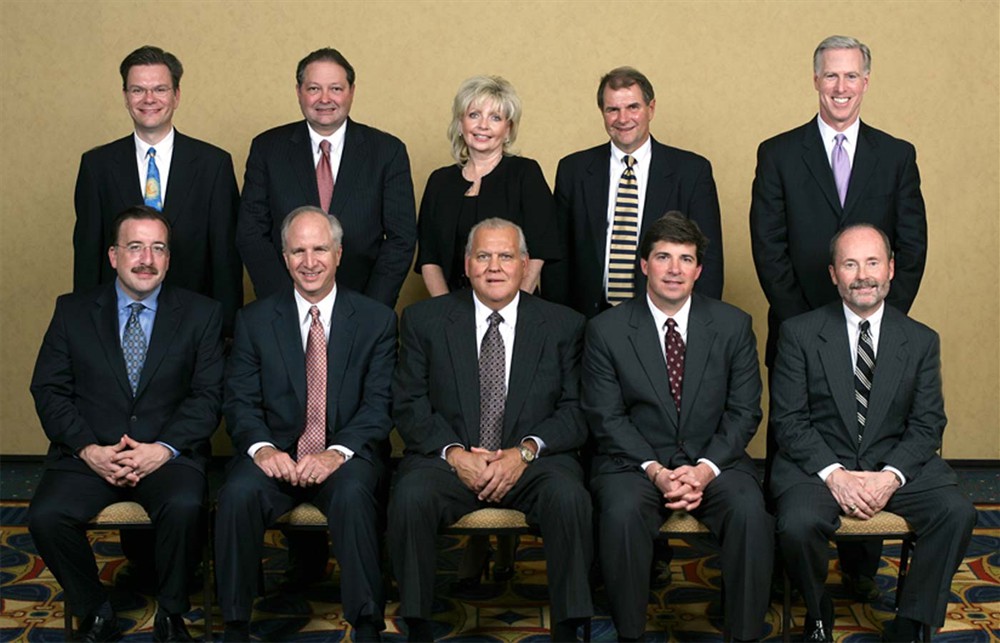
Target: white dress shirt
[
  {"x": 164, "y": 152},
  {"x": 336, "y": 148},
  {"x": 829, "y": 136}
]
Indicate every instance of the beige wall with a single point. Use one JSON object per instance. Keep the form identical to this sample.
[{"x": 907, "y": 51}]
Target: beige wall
[{"x": 728, "y": 75}]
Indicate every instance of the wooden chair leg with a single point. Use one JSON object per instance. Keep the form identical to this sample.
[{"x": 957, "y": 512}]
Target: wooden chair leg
[
  {"x": 207, "y": 575},
  {"x": 68, "y": 622},
  {"x": 786, "y": 608}
]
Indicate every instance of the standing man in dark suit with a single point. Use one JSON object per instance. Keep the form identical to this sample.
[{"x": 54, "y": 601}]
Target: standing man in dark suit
[
  {"x": 671, "y": 390},
  {"x": 859, "y": 414},
  {"x": 607, "y": 196},
  {"x": 307, "y": 407},
  {"x": 191, "y": 181},
  {"x": 814, "y": 180},
  {"x": 128, "y": 387},
  {"x": 510, "y": 442},
  {"x": 356, "y": 172}
]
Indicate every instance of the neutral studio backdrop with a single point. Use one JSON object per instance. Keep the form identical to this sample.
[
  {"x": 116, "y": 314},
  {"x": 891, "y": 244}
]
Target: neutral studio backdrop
[{"x": 727, "y": 76}]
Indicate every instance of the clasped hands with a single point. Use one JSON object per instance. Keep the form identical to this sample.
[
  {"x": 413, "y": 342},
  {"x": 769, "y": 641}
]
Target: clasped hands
[
  {"x": 862, "y": 494},
  {"x": 683, "y": 487},
  {"x": 125, "y": 463},
  {"x": 309, "y": 471},
  {"x": 489, "y": 474}
]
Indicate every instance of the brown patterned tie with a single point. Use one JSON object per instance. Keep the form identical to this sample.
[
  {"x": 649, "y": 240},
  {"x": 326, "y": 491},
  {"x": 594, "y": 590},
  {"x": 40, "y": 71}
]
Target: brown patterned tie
[
  {"x": 313, "y": 438},
  {"x": 492, "y": 385},
  {"x": 324, "y": 176},
  {"x": 675, "y": 361}
]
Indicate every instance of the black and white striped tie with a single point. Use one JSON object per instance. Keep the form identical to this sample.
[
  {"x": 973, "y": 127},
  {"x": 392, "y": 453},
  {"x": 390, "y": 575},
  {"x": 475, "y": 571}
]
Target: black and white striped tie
[{"x": 864, "y": 369}]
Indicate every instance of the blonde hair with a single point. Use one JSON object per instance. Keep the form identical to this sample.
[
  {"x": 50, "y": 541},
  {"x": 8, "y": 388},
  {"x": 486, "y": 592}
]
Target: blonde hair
[{"x": 475, "y": 91}]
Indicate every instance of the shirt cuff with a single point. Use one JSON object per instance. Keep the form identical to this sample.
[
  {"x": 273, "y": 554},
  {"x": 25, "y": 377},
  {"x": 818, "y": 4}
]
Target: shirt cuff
[
  {"x": 897, "y": 472},
  {"x": 645, "y": 465},
  {"x": 538, "y": 442},
  {"x": 444, "y": 451},
  {"x": 173, "y": 452},
  {"x": 825, "y": 472},
  {"x": 342, "y": 450},
  {"x": 711, "y": 465},
  {"x": 257, "y": 446}
]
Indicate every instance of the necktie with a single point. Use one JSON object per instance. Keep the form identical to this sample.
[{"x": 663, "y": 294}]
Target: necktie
[
  {"x": 864, "y": 369},
  {"x": 324, "y": 176},
  {"x": 313, "y": 438},
  {"x": 674, "y": 347},
  {"x": 492, "y": 385},
  {"x": 152, "y": 197},
  {"x": 624, "y": 237},
  {"x": 841, "y": 168},
  {"x": 134, "y": 346}
]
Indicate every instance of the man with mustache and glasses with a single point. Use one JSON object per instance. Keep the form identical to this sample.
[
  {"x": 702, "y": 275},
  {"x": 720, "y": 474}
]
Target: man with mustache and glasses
[
  {"x": 812, "y": 181},
  {"x": 128, "y": 388},
  {"x": 858, "y": 416}
]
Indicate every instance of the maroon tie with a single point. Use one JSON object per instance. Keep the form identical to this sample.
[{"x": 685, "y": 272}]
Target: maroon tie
[
  {"x": 675, "y": 361},
  {"x": 313, "y": 438},
  {"x": 324, "y": 176}
]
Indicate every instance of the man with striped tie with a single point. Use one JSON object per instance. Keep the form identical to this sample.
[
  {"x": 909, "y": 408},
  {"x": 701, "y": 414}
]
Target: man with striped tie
[
  {"x": 858, "y": 416},
  {"x": 607, "y": 196}
]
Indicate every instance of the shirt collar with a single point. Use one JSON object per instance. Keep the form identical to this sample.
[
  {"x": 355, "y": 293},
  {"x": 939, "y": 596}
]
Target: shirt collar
[
  {"x": 827, "y": 133},
  {"x": 854, "y": 320},
  {"x": 125, "y": 300},
  {"x": 660, "y": 317},
  {"x": 325, "y": 305},
  {"x": 641, "y": 155},
  {"x": 336, "y": 139},
  {"x": 508, "y": 312},
  {"x": 164, "y": 147}
]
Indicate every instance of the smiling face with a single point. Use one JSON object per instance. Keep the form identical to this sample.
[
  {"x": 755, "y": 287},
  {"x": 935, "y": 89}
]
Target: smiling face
[
  {"x": 312, "y": 256},
  {"x": 151, "y": 98},
  {"x": 627, "y": 116},
  {"x": 841, "y": 84},
  {"x": 862, "y": 270},
  {"x": 495, "y": 265},
  {"x": 485, "y": 129},
  {"x": 140, "y": 256},
  {"x": 325, "y": 96},
  {"x": 671, "y": 270}
]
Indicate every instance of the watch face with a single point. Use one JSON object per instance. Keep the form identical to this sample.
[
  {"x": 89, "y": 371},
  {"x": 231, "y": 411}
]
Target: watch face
[{"x": 527, "y": 455}]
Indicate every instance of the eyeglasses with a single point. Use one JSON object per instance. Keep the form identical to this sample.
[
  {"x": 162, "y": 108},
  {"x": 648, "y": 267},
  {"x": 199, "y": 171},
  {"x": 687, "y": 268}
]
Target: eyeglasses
[
  {"x": 135, "y": 248},
  {"x": 160, "y": 91}
]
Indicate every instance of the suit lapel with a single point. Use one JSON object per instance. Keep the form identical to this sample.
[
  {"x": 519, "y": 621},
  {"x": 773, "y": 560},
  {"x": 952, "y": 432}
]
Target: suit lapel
[
  {"x": 182, "y": 171},
  {"x": 343, "y": 329},
  {"x": 462, "y": 348},
  {"x": 700, "y": 337},
  {"x": 814, "y": 156},
  {"x": 649, "y": 349},
  {"x": 350, "y": 167},
  {"x": 168, "y": 318},
  {"x": 301, "y": 166},
  {"x": 890, "y": 361},
  {"x": 126, "y": 172},
  {"x": 528, "y": 342},
  {"x": 660, "y": 187},
  {"x": 862, "y": 169},
  {"x": 595, "y": 189},
  {"x": 288, "y": 335},
  {"x": 834, "y": 351},
  {"x": 105, "y": 320}
]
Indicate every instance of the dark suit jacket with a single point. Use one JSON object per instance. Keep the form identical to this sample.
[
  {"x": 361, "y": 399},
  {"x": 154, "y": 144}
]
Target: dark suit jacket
[
  {"x": 81, "y": 389},
  {"x": 678, "y": 180},
  {"x": 201, "y": 204},
  {"x": 372, "y": 198},
  {"x": 436, "y": 391},
  {"x": 815, "y": 414},
  {"x": 626, "y": 391},
  {"x": 266, "y": 378},
  {"x": 795, "y": 212}
]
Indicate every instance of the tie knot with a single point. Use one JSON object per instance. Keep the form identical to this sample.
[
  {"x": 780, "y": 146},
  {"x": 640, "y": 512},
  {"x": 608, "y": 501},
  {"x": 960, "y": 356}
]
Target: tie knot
[
  {"x": 136, "y": 307},
  {"x": 840, "y": 138},
  {"x": 628, "y": 160},
  {"x": 314, "y": 313},
  {"x": 671, "y": 324},
  {"x": 495, "y": 319},
  {"x": 864, "y": 326},
  {"x": 324, "y": 146},
  {"x": 152, "y": 152}
]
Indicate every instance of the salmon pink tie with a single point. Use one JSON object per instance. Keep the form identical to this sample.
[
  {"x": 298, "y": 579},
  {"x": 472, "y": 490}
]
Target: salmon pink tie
[
  {"x": 313, "y": 438},
  {"x": 324, "y": 176}
]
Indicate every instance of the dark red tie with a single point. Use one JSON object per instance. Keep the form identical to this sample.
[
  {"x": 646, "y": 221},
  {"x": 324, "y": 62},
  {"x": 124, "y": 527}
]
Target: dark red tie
[
  {"x": 324, "y": 176},
  {"x": 675, "y": 361},
  {"x": 313, "y": 438}
]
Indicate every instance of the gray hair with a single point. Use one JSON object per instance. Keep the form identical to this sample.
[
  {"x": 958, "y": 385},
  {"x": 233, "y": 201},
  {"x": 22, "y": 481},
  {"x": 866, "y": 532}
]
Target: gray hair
[
  {"x": 858, "y": 226},
  {"x": 841, "y": 42},
  {"x": 496, "y": 223},
  {"x": 335, "y": 228},
  {"x": 476, "y": 91}
]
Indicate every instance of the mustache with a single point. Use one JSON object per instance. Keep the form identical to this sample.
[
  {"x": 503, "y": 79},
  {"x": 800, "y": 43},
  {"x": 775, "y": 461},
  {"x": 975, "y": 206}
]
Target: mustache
[
  {"x": 863, "y": 283},
  {"x": 145, "y": 268}
]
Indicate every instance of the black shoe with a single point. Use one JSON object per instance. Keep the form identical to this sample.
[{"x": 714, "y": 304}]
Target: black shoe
[
  {"x": 901, "y": 630},
  {"x": 820, "y": 630},
  {"x": 419, "y": 630},
  {"x": 236, "y": 632},
  {"x": 98, "y": 628},
  {"x": 566, "y": 630},
  {"x": 366, "y": 630},
  {"x": 170, "y": 627},
  {"x": 861, "y": 588}
]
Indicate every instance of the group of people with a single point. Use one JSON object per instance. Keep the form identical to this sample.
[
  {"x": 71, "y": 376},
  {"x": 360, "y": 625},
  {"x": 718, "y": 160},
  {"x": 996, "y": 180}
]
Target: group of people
[{"x": 575, "y": 360}]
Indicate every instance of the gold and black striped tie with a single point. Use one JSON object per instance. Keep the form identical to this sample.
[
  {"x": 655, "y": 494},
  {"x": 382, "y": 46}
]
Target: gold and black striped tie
[{"x": 624, "y": 237}]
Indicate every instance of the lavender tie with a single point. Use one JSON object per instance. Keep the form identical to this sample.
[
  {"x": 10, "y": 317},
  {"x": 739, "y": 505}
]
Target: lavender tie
[{"x": 841, "y": 168}]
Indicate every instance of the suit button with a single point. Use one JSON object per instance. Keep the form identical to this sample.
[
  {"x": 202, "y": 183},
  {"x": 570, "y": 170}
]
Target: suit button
[{"x": 134, "y": 419}]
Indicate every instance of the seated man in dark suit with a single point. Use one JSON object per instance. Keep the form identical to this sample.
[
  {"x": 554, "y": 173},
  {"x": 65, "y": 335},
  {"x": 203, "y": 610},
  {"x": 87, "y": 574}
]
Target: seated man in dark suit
[
  {"x": 509, "y": 441},
  {"x": 307, "y": 407},
  {"x": 671, "y": 390},
  {"x": 858, "y": 413},
  {"x": 128, "y": 387}
]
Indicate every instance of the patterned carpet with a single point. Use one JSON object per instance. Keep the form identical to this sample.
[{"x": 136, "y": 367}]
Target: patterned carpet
[{"x": 686, "y": 610}]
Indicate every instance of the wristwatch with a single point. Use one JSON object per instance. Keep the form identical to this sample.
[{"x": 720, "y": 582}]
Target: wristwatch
[{"x": 527, "y": 455}]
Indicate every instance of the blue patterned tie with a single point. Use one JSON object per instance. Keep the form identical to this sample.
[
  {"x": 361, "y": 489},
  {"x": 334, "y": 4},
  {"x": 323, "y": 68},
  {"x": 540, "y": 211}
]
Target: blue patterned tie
[
  {"x": 152, "y": 198},
  {"x": 134, "y": 346}
]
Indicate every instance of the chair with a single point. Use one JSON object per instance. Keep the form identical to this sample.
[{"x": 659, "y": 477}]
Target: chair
[
  {"x": 131, "y": 515},
  {"x": 885, "y": 525},
  {"x": 497, "y": 521}
]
